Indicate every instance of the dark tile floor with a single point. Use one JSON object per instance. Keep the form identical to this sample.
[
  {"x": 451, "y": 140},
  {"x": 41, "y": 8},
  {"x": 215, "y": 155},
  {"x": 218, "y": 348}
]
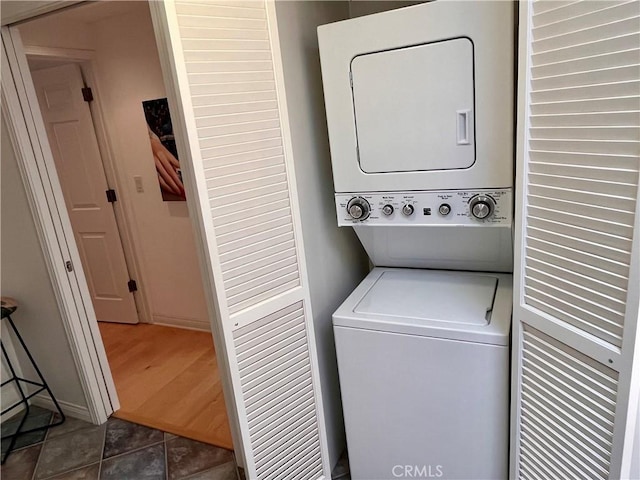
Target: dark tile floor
[{"x": 117, "y": 450}]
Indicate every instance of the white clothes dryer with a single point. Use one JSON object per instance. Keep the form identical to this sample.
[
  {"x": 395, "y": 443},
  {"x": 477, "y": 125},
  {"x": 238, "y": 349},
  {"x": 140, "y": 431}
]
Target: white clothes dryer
[
  {"x": 421, "y": 98},
  {"x": 420, "y": 115}
]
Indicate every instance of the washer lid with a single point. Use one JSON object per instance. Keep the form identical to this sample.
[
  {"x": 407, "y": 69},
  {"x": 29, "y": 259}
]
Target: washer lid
[
  {"x": 431, "y": 295},
  {"x": 467, "y": 306}
]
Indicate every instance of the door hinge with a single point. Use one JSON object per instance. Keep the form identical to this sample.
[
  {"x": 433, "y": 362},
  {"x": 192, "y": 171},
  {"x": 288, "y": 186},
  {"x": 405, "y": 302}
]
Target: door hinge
[
  {"x": 68, "y": 265},
  {"x": 133, "y": 286},
  {"x": 111, "y": 195},
  {"x": 87, "y": 94}
]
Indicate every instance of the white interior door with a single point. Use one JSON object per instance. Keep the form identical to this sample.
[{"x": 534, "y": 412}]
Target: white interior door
[
  {"x": 576, "y": 358},
  {"x": 74, "y": 145},
  {"x": 221, "y": 65}
]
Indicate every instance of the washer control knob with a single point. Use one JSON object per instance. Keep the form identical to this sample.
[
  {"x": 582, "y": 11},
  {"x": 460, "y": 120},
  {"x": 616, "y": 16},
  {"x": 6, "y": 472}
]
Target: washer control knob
[
  {"x": 407, "y": 210},
  {"x": 387, "y": 209},
  {"x": 444, "y": 209},
  {"x": 358, "y": 208},
  {"x": 356, "y": 211},
  {"x": 482, "y": 206}
]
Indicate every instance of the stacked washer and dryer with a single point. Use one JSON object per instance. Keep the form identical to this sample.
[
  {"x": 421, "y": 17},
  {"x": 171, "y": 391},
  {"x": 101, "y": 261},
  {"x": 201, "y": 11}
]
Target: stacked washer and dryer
[{"x": 419, "y": 106}]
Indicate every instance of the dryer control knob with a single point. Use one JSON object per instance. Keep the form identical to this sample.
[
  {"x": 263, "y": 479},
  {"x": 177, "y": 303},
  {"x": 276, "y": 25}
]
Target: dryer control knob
[
  {"x": 482, "y": 206},
  {"x": 387, "y": 209},
  {"x": 407, "y": 210},
  {"x": 444, "y": 209},
  {"x": 358, "y": 208}
]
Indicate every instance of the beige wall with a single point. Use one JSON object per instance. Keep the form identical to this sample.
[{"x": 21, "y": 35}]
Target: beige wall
[
  {"x": 24, "y": 276},
  {"x": 358, "y": 8},
  {"x": 336, "y": 262},
  {"x": 128, "y": 72}
]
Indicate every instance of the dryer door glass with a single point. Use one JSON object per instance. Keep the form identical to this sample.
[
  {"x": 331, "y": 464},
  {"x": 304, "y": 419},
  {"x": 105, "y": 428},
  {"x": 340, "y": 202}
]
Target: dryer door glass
[{"x": 414, "y": 107}]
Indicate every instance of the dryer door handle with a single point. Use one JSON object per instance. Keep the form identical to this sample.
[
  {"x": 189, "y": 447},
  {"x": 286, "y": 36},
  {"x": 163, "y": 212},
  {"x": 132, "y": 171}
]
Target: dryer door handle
[{"x": 462, "y": 127}]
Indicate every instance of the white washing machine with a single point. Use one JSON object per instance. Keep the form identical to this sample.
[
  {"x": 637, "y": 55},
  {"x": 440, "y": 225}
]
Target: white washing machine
[
  {"x": 423, "y": 357},
  {"x": 420, "y": 116}
]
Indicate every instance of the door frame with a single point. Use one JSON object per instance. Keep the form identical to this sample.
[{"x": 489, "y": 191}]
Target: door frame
[
  {"x": 115, "y": 178},
  {"x": 26, "y": 128}
]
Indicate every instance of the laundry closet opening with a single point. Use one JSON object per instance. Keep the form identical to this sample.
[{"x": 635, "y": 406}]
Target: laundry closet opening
[{"x": 99, "y": 83}]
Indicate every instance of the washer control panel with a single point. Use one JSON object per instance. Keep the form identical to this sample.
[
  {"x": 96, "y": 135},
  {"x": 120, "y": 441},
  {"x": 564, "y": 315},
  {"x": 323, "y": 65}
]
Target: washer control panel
[{"x": 449, "y": 207}]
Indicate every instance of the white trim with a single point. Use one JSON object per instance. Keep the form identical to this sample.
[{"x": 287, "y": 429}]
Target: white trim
[
  {"x": 37, "y": 9},
  {"x": 522, "y": 117},
  {"x": 75, "y": 55},
  {"x": 15, "y": 411},
  {"x": 629, "y": 381},
  {"x": 68, "y": 408},
  {"x": 182, "y": 322},
  {"x": 35, "y": 162}
]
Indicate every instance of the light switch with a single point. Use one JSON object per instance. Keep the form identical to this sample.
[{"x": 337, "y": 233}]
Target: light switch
[{"x": 138, "y": 181}]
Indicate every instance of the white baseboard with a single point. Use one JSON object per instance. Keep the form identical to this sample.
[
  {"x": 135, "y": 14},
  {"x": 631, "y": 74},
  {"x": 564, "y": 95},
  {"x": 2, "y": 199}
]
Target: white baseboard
[
  {"x": 186, "y": 323},
  {"x": 11, "y": 413},
  {"x": 69, "y": 409}
]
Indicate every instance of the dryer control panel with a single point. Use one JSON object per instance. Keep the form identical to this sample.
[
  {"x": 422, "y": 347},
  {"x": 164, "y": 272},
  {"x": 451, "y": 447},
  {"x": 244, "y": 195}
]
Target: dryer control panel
[{"x": 486, "y": 207}]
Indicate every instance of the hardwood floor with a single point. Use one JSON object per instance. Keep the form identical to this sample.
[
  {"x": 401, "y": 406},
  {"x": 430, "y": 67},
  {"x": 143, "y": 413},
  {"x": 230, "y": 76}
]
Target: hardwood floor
[{"x": 167, "y": 378}]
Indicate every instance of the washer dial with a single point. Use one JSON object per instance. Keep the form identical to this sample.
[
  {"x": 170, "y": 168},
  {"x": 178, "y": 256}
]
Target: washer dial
[
  {"x": 358, "y": 208},
  {"x": 482, "y": 206},
  {"x": 387, "y": 209},
  {"x": 407, "y": 210}
]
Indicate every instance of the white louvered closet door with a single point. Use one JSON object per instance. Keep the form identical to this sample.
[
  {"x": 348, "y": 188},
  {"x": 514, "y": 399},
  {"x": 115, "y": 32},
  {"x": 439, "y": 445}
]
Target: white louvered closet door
[
  {"x": 577, "y": 267},
  {"x": 225, "y": 68}
]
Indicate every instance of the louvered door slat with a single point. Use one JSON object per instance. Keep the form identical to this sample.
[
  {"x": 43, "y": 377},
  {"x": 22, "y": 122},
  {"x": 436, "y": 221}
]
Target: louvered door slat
[
  {"x": 276, "y": 382},
  {"x": 616, "y": 246},
  {"x": 232, "y": 128},
  {"x": 277, "y": 404},
  {"x": 624, "y": 104},
  {"x": 554, "y": 370},
  {"x": 242, "y": 158},
  {"x": 248, "y": 233},
  {"x": 615, "y": 175},
  {"x": 578, "y": 191},
  {"x": 226, "y": 69},
  {"x": 583, "y": 92},
  {"x": 571, "y": 420},
  {"x": 549, "y": 13},
  {"x": 578, "y": 119},
  {"x": 602, "y": 161},
  {"x": 578, "y": 243},
  {"x": 592, "y": 62},
  {"x": 234, "y": 87},
  {"x": 545, "y": 41},
  {"x": 581, "y": 220},
  {"x": 592, "y": 77},
  {"x": 211, "y": 154},
  {"x": 246, "y": 167}
]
